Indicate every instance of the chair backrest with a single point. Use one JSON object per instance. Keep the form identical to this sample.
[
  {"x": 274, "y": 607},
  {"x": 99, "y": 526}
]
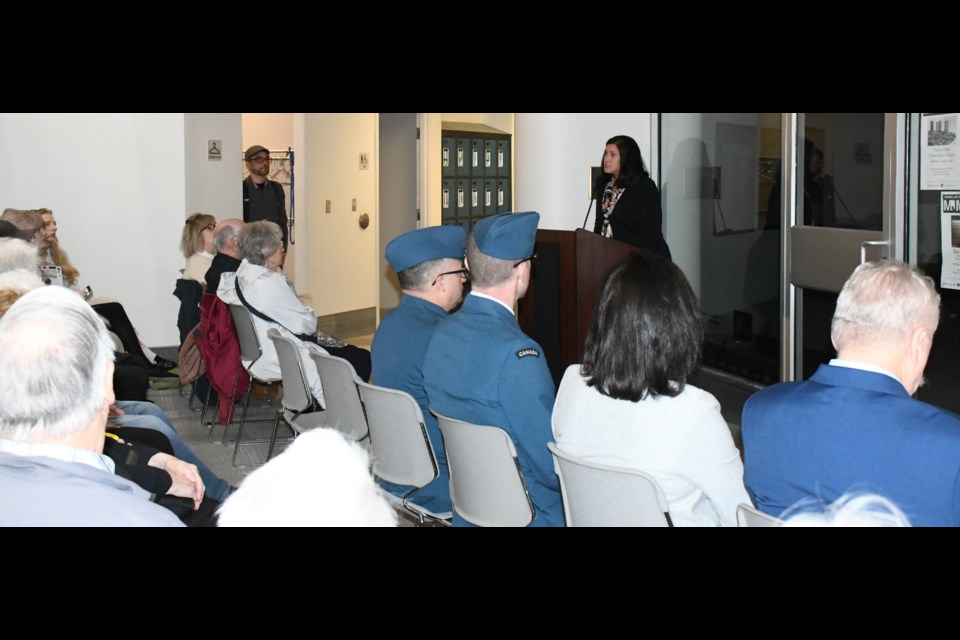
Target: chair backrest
[
  {"x": 749, "y": 516},
  {"x": 487, "y": 487},
  {"x": 296, "y": 393},
  {"x": 246, "y": 333},
  {"x": 189, "y": 292},
  {"x": 402, "y": 452},
  {"x": 341, "y": 397},
  {"x": 599, "y": 495}
]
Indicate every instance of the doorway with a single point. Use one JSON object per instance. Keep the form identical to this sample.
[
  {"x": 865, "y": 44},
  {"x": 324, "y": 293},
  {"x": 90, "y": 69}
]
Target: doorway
[{"x": 399, "y": 212}]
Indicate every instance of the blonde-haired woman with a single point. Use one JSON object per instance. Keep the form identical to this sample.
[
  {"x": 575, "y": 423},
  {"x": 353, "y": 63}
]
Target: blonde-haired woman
[
  {"x": 197, "y": 246},
  {"x": 50, "y": 251}
]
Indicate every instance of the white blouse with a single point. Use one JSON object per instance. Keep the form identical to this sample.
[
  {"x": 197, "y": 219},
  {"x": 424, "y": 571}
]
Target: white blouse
[{"x": 683, "y": 442}]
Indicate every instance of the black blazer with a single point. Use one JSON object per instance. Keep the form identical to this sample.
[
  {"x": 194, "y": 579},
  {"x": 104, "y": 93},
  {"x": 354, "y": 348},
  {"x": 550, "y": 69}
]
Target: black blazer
[{"x": 637, "y": 218}]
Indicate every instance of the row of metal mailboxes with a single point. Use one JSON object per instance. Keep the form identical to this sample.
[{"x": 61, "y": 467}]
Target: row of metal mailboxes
[
  {"x": 475, "y": 157},
  {"x": 475, "y": 197}
]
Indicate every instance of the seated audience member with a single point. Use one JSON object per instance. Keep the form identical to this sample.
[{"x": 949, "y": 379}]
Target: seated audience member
[
  {"x": 260, "y": 285},
  {"x": 15, "y": 283},
  {"x": 854, "y": 424},
  {"x": 320, "y": 480},
  {"x": 146, "y": 415},
  {"x": 18, "y": 254},
  {"x": 629, "y": 404},
  {"x": 429, "y": 266},
  {"x": 52, "y": 469},
  {"x": 481, "y": 368},
  {"x": 29, "y": 224},
  {"x": 227, "y": 258},
  {"x": 8, "y": 230},
  {"x": 50, "y": 251},
  {"x": 124, "y": 415},
  {"x": 136, "y": 355},
  {"x": 174, "y": 484},
  {"x": 196, "y": 243},
  {"x": 849, "y": 510},
  {"x": 19, "y": 274}
]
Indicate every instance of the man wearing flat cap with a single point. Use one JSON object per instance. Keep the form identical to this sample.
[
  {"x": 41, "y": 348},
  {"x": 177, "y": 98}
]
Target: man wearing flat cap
[
  {"x": 429, "y": 266},
  {"x": 263, "y": 199},
  {"x": 481, "y": 368}
]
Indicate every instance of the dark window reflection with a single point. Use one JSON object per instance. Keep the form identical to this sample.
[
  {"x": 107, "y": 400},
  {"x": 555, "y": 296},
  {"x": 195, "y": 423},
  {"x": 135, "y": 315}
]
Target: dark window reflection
[{"x": 842, "y": 178}]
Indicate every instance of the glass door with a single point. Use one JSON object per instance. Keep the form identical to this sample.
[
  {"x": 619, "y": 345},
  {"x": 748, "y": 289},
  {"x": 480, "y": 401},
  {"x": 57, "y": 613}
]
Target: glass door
[{"x": 844, "y": 204}]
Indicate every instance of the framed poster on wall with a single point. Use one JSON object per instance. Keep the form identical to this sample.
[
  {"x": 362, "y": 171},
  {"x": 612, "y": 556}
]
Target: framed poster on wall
[{"x": 939, "y": 161}]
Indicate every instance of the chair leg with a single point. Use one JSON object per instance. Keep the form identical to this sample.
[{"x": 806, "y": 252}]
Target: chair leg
[
  {"x": 213, "y": 423},
  {"x": 273, "y": 438},
  {"x": 193, "y": 395},
  {"x": 233, "y": 394},
  {"x": 243, "y": 419}
]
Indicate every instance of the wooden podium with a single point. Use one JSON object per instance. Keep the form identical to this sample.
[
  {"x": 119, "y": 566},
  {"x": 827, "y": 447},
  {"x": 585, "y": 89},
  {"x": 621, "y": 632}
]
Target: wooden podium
[{"x": 568, "y": 276}]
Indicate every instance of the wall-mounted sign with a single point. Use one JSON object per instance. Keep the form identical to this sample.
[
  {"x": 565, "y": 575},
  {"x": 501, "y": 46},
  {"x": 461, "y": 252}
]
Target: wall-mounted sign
[
  {"x": 950, "y": 239},
  {"x": 214, "y": 149},
  {"x": 939, "y": 168}
]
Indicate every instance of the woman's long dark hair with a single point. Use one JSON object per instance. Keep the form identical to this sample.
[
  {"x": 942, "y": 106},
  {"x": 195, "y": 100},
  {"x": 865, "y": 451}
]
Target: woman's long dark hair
[
  {"x": 632, "y": 167},
  {"x": 647, "y": 334}
]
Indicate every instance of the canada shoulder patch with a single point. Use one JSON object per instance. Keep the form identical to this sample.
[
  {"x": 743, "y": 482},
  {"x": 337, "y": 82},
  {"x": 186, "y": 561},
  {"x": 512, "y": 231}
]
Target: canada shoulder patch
[{"x": 523, "y": 353}]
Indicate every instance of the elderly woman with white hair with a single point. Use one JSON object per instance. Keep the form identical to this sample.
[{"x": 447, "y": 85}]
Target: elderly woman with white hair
[{"x": 260, "y": 285}]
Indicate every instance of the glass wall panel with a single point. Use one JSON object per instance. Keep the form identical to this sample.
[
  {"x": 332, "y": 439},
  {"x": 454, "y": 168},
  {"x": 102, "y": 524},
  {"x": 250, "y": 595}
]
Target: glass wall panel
[{"x": 719, "y": 172}]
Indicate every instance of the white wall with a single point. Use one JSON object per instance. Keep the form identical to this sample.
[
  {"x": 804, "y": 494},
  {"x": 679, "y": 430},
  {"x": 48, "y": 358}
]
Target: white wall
[
  {"x": 342, "y": 260},
  {"x": 271, "y": 130},
  {"x": 116, "y": 183},
  {"x": 553, "y": 153},
  {"x": 213, "y": 186}
]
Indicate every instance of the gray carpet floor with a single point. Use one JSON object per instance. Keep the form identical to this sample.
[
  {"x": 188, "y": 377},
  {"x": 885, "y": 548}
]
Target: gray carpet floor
[{"x": 218, "y": 454}]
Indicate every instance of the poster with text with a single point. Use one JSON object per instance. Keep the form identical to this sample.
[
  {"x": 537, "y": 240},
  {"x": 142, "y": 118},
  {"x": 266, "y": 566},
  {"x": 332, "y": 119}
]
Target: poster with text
[
  {"x": 950, "y": 239},
  {"x": 939, "y": 168}
]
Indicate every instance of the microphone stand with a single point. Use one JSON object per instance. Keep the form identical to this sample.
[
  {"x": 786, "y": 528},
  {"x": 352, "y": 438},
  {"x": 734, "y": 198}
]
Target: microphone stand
[{"x": 593, "y": 197}]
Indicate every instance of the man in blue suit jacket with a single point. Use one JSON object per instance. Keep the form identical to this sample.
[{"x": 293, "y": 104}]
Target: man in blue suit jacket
[
  {"x": 854, "y": 426},
  {"x": 481, "y": 368}
]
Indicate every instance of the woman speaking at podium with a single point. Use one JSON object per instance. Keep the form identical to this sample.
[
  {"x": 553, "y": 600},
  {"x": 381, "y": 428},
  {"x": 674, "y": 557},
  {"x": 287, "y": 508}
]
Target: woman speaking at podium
[{"x": 628, "y": 201}]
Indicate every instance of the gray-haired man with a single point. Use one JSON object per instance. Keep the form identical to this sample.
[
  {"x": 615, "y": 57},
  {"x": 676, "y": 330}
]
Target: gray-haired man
[{"x": 56, "y": 369}]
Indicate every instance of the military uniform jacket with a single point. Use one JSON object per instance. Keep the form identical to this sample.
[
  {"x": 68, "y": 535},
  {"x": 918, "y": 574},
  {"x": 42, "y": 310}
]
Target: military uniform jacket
[
  {"x": 481, "y": 368},
  {"x": 398, "y": 350}
]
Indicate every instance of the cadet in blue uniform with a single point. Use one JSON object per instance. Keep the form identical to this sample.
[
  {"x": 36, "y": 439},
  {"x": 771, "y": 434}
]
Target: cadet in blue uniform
[
  {"x": 481, "y": 368},
  {"x": 429, "y": 265}
]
